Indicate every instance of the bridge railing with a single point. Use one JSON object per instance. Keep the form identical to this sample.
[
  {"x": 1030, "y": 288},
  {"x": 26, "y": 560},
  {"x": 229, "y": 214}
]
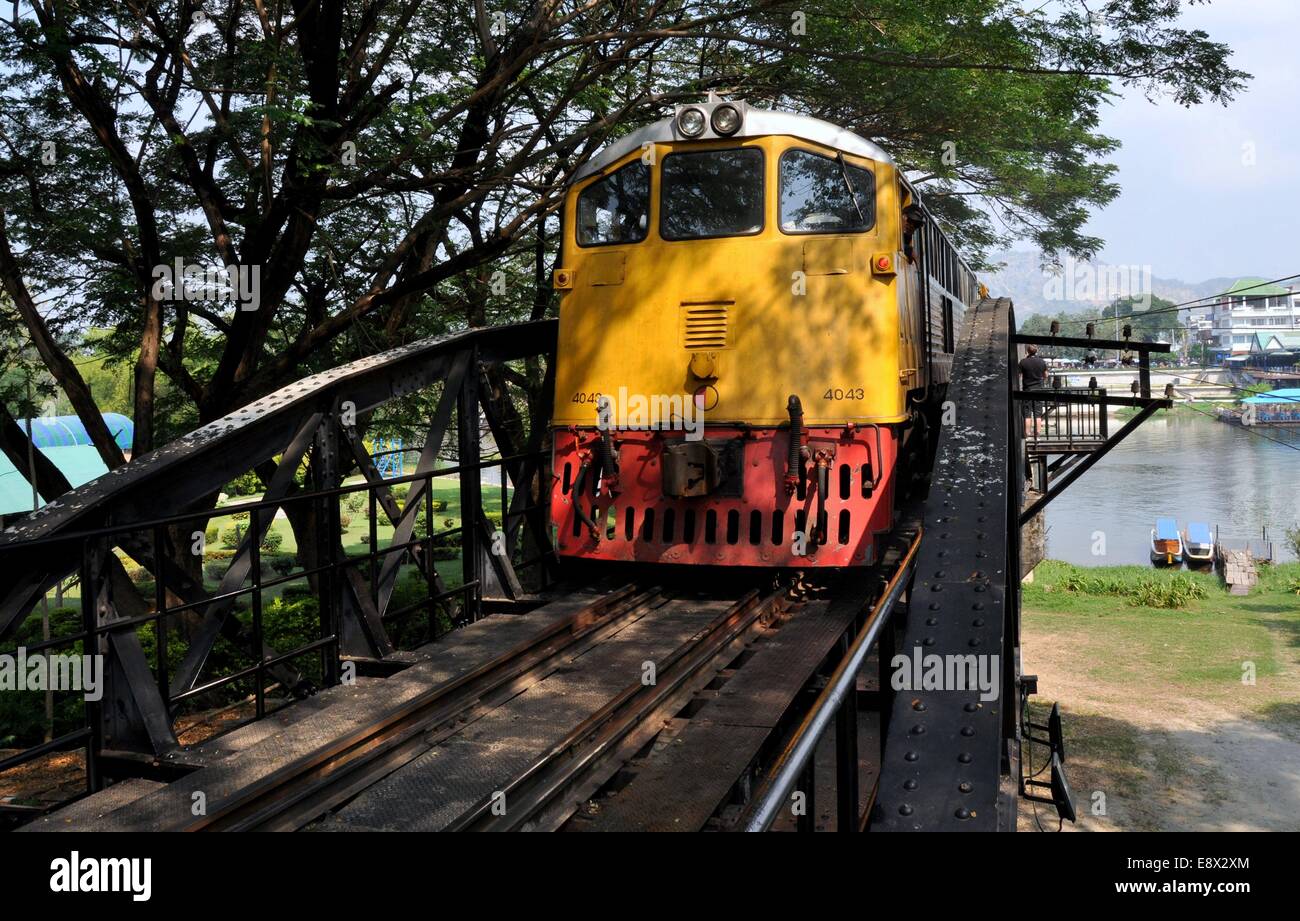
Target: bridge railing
[
  {"x": 348, "y": 599},
  {"x": 1065, "y": 419}
]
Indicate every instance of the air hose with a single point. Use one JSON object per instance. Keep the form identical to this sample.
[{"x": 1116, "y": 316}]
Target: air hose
[
  {"x": 579, "y": 486},
  {"x": 605, "y": 455},
  {"x": 794, "y": 463},
  {"x": 823, "y": 484}
]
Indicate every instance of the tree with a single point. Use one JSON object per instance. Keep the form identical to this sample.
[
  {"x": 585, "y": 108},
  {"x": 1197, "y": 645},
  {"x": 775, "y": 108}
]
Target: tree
[{"x": 364, "y": 168}]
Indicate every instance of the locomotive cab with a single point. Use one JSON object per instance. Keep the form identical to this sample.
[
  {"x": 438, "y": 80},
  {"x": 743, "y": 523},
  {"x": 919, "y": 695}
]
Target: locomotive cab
[{"x": 743, "y": 342}]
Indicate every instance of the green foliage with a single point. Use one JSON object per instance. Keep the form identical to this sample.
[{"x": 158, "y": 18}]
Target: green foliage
[
  {"x": 1150, "y": 591},
  {"x": 231, "y": 536},
  {"x": 246, "y": 485},
  {"x": 1293, "y": 540},
  {"x": 22, "y": 713}
]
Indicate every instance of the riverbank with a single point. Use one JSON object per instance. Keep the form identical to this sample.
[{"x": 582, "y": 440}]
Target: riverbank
[{"x": 1182, "y": 717}]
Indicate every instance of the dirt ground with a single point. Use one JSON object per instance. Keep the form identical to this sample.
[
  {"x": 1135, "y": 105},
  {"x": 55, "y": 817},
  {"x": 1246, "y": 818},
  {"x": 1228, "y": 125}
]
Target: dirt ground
[{"x": 1162, "y": 759}]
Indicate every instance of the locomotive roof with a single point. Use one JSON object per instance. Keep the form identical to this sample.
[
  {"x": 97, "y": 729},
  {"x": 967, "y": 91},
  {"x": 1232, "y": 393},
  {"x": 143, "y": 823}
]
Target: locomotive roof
[{"x": 757, "y": 122}]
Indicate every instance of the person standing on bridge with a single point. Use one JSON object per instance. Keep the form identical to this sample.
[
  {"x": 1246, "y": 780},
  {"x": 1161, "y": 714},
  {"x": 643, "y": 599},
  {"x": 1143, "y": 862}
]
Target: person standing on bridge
[{"x": 1033, "y": 376}]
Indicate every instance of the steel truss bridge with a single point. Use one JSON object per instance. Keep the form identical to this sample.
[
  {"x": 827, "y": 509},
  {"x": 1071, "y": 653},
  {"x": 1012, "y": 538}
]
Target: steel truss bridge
[{"x": 508, "y": 691}]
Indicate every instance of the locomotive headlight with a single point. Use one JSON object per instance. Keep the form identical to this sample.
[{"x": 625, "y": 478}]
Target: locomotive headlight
[
  {"x": 726, "y": 119},
  {"x": 690, "y": 122}
]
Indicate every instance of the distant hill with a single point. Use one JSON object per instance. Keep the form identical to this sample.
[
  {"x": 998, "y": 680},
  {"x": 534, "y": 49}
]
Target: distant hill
[{"x": 1084, "y": 287}]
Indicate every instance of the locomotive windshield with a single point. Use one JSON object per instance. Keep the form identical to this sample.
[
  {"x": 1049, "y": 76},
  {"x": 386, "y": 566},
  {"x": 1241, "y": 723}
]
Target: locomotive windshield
[
  {"x": 711, "y": 193},
  {"x": 617, "y": 208},
  {"x": 825, "y": 195}
]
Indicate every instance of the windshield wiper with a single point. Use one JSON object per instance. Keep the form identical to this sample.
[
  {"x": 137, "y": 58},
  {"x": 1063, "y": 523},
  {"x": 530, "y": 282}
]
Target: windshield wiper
[{"x": 844, "y": 171}]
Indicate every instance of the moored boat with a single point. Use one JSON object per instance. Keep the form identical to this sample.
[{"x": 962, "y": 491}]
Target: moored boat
[
  {"x": 1166, "y": 543},
  {"x": 1198, "y": 544}
]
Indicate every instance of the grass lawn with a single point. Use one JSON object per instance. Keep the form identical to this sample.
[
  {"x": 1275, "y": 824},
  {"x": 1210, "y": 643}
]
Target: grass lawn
[{"x": 1184, "y": 716}]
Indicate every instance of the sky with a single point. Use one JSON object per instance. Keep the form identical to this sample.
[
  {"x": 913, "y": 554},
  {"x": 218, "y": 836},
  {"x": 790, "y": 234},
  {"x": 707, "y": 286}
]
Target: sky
[{"x": 1193, "y": 206}]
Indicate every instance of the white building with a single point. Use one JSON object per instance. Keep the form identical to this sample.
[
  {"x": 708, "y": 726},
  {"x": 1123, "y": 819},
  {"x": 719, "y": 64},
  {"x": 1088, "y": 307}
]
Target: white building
[{"x": 1251, "y": 306}]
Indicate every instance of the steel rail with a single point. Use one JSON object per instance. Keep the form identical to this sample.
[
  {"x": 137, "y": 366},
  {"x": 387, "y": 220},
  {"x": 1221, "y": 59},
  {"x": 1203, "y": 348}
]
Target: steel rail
[
  {"x": 789, "y": 766},
  {"x": 261, "y": 804},
  {"x": 568, "y": 760}
]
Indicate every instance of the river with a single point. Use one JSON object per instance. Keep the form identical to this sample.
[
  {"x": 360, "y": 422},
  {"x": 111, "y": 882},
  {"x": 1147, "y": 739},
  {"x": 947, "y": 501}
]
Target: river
[{"x": 1185, "y": 466}]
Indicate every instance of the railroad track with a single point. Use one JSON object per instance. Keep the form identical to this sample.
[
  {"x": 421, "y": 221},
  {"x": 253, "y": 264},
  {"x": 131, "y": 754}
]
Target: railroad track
[
  {"x": 544, "y": 721},
  {"x": 292, "y": 797}
]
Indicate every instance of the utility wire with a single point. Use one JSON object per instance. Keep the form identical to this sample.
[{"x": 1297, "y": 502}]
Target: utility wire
[{"x": 1192, "y": 303}]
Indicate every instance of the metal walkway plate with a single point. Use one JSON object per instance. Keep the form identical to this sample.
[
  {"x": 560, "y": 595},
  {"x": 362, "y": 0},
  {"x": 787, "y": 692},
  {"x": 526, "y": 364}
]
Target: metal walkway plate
[{"x": 943, "y": 751}]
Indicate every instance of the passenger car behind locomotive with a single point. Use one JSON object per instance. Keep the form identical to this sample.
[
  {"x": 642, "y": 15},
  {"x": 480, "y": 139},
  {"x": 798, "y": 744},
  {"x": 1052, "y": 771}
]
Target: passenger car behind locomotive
[{"x": 756, "y": 319}]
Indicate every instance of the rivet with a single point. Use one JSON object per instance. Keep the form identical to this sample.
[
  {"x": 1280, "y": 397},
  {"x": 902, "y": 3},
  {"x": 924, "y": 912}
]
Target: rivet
[
  {"x": 918, "y": 730},
  {"x": 918, "y": 705},
  {"x": 965, "y": 786},
  {"x": 911, "y": 756},
  {"x": 962, "y": 813},
  {"x": 967, "y": 731},
  {"x": 964, "y": 758},
  {"x": 905, "y": 809},
  {"x": 971, "y": 707},
  {"x": 977, "y": 622}
]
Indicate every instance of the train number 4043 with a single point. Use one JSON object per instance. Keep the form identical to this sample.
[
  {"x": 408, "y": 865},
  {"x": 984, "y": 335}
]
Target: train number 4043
[{"x": 849, "y": 393}]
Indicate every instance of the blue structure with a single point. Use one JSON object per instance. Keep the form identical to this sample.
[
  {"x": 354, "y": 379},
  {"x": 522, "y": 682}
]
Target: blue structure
[
  {"x": 389, "y": 465},
  {"x": 62, "y": 439},
  {"x": 66, "y": 431},
  {"x": 1277, "y": 406}
]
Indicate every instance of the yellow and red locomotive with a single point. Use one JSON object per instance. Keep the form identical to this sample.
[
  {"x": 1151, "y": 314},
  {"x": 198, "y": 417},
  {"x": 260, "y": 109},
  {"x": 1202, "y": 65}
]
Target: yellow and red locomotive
[{"x": 756, "y": 316}]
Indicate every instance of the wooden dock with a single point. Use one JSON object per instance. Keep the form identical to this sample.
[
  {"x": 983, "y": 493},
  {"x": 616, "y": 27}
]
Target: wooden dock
[{"x": 1238, "y": 568}]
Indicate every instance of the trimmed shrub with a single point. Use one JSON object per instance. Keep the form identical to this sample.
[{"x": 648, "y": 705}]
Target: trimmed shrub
[{"x": 245, "y": 485}]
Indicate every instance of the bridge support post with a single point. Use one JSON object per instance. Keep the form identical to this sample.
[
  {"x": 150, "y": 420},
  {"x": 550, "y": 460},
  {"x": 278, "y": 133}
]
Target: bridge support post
[
  {"x": 468, "y": 450},
  {"x": 131, "y": 715},
  {"x": 329, "y": 588}
]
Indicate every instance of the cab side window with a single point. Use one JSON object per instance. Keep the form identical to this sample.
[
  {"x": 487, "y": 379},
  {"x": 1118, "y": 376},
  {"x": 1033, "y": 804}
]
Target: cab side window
[
  {"x": 825, "y": 194},
  {"x": 615, "y": 209}
]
